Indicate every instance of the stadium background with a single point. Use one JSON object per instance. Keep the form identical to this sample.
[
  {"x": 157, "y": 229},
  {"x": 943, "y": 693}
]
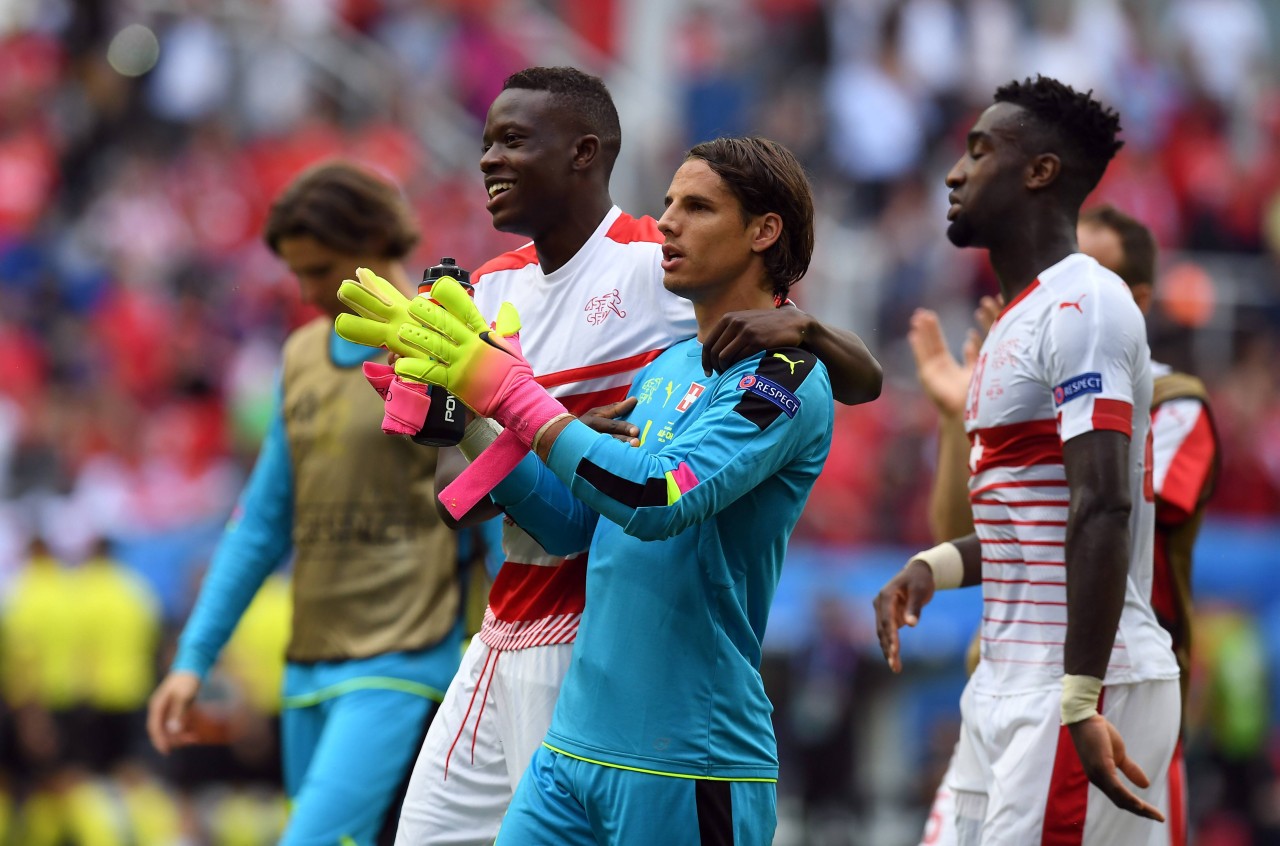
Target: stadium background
[{"x": 141, "y": 320}]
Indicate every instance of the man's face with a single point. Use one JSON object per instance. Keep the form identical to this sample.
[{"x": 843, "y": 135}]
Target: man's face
[
  {"x": 708, "y": 245},
  {"x": 986, "y": 183},
  {"x": 320, "y": 270},
  {"x": 527, "y": 161}
]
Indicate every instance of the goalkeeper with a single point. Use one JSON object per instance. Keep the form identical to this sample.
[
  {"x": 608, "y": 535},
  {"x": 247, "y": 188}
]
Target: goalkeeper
[{"x": 663, "y": 705}]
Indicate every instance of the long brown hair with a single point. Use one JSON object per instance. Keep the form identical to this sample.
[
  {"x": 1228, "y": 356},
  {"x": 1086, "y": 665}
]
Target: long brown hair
[{"x": 765, "y": 177}]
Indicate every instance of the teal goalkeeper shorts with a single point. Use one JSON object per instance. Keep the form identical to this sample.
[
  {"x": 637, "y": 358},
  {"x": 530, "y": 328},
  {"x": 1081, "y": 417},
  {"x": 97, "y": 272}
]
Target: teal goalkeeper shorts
[{"x": 564, "y": 801}]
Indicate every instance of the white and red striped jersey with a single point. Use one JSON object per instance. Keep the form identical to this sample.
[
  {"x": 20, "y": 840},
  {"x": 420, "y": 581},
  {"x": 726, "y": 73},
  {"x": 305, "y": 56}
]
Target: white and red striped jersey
[
  {"x": 1184, "y": 445},
  {"x": 588, "y": 328},
  {"x": 1067, "y": 356}
]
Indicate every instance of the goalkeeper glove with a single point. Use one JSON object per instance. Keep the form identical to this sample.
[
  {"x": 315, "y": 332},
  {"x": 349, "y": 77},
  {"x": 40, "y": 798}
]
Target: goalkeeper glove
[
  {"x": 452, "y": 347},
  {"x": 380, "y": 309},
  {"x": 405, "y": 403}
]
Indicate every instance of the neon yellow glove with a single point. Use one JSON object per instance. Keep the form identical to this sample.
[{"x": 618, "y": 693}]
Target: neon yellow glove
[
  {"x": 452, "y": 347},
  {"x": 381, "y": 311}
]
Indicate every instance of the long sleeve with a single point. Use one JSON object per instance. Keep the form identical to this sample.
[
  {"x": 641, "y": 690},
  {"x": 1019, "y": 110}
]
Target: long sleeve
[
  {"x": 760, "y": 414},
  {"x": 544, "y": 507},
  {"x": 256, "y": 541}
]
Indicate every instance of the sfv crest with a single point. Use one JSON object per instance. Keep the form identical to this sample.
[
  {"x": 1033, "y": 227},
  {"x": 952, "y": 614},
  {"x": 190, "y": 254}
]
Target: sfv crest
[{"x": 599, "y": 308}]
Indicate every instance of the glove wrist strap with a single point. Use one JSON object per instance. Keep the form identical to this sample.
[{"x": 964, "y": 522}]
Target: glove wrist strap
[{"x": 526, "y": 409}]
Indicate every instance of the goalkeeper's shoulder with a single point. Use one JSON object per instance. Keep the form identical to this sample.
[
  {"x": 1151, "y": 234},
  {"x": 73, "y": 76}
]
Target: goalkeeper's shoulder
[{"x": 782, "y": 383}]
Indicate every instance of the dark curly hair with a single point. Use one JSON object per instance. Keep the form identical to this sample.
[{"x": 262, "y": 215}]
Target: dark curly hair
[
  {"x": 582, "y": 95},
  {"x": 345, "y": 207},
  {"x": 765, "y": 177},
  {"x": 1072, "y": 124}
]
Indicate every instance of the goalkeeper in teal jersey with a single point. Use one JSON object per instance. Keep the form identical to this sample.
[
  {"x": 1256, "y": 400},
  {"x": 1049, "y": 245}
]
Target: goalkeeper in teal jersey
[{"x": 662, "y": 732}]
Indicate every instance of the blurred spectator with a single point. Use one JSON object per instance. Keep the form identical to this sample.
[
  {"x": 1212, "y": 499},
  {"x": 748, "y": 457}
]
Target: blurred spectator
[{"x": 141, "y": 318}]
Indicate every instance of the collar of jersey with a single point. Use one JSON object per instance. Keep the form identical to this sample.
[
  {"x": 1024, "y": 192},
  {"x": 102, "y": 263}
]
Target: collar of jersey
[{"x": 582, "y": 257}]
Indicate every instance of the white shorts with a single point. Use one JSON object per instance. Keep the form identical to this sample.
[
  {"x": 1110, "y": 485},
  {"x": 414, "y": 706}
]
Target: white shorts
[
  {"x": 1018, "y": 767},
  {"x": 940, "y": 828},
  {"x": 493, "y": 718}
]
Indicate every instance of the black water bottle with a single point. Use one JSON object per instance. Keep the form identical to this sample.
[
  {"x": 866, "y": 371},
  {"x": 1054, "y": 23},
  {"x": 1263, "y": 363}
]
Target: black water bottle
[{"x": 446, "y": 416}]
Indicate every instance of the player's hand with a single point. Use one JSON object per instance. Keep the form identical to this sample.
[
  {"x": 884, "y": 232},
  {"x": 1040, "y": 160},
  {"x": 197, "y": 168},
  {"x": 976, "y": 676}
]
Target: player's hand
[
  {"x": 899, "y": 604},
  {"x": 448, "y": 343},
  {"x": 985, "y": 314},
  {"x": 452, "y": 347},
  {"x": 1101, "y": 751},
  {"x": 380, "y": 310},
  {"x": 739, "y": 334},
  {"x": 604, "y": 419},
  {"x": 944, "y": 379},
  {"x": 169, "y": 711}
]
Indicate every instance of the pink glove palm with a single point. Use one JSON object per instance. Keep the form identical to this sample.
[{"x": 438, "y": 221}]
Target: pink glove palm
[{"x": 480, "y": 367}]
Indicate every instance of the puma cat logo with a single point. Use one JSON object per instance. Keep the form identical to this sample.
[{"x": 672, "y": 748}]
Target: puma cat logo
[{"x": 790, "y": 363}]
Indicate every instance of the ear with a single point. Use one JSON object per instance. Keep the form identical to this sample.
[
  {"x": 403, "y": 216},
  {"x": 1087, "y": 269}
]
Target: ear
[
  {"x": 586, "y": 149},
  {"x": 1042, "y": 171},
  {"x": 765, "y": 231},
  {"x": 1142, "y": 293}
]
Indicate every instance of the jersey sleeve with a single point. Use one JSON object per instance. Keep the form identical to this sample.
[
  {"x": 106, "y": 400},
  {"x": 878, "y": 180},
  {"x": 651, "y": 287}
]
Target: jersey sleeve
[
  {"x": 1095, "y": 351},
  {"x": 1183, "y": 452},
  {"x": 258, "y": 538},
  {"x": 764, "y": 412},
  {"x": 541, "y": 505}
]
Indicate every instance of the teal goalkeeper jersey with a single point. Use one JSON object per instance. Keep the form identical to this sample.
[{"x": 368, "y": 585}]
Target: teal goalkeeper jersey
[{"x": 681, "y": 573}]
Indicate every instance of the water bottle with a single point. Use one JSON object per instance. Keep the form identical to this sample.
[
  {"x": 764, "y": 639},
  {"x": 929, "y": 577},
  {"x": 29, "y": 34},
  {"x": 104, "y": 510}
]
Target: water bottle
[{"x": 447, "y": 416}]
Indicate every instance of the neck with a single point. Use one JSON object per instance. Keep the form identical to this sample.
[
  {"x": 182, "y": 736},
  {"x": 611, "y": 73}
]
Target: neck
[
  {"x": 1029, "y": 249},
  {"x": 740, "y": 297},
  {"x": 573, "y": 226}
]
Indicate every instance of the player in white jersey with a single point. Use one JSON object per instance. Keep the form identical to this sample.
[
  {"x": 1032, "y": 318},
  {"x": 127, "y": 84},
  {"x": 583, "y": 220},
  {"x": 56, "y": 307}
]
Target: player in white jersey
[
  {"x": 1184, "y": 462},
  {"x": 1057, "y": 417},
  {"x": 589, "y": 289}
]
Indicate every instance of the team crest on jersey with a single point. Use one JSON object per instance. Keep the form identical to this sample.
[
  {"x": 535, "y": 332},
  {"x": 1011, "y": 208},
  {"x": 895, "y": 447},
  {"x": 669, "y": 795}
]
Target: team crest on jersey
[
  {"x": 599, "y": 308},
  {"x": 650, "y": 385},
  {"x": 1076, "y": 386},
  {"x": 690, "y": 396},
  {"x": 771, "y": 391}
]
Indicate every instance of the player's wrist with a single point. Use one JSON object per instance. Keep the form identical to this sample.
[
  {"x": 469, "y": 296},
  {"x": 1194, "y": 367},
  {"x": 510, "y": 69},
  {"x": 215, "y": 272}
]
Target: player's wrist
[
  {"x": 1080, "y": 696},
  {"x": 480, "y": 432},
  {"x": 946, "y": 563}
]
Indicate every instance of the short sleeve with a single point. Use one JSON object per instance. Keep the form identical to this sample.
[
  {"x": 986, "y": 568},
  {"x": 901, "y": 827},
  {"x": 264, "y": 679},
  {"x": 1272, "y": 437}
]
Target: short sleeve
[{"x": 1095, "y": 354}]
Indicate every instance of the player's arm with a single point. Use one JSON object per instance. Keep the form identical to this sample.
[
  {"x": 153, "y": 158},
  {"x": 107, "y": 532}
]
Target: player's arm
[
  {"x": 479, "y": 435},
  {"x": 1094, "y": 358},
  {"x": 256, "y": 540},
  {"x": 952, "y": 564},
  {"x": 946, "y": 382},
  {"x": 1097, "y": 547},
  {"x": 452, "y": 346},
  {"x": 856, "y": 376},
  {"x": 740, "y": 439},
  {"x": 1097, "y": 556}
]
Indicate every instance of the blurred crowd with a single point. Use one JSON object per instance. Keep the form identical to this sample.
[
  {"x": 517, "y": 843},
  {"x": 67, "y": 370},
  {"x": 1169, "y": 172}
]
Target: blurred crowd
[{"x": 141, "y": 316}]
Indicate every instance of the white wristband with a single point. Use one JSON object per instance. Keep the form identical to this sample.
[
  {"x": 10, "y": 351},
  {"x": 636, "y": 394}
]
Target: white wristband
[
  {"x": 1079, "y": 698},
  {"x": 946, "y": 563},
  {"x": 478, "y": 435}
]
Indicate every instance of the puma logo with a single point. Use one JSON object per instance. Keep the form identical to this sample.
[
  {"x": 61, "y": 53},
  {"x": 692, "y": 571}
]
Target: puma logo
[
  {"x": 1075, "y": 305},
  {"x": 790, "y": 363},
  {"x": 670, "y": 388}
]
